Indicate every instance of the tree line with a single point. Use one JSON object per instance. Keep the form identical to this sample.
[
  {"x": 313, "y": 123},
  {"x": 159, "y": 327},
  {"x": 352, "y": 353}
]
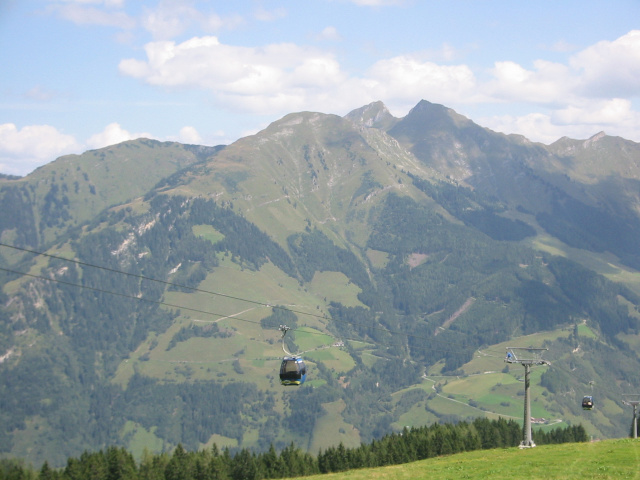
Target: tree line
[{"x": 412, "y": 444}]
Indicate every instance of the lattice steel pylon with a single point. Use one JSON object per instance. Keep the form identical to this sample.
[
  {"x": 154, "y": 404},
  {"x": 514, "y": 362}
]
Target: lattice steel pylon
[
  {"x": 526, "y": 356},
  {"x": 634, "y": 401}
]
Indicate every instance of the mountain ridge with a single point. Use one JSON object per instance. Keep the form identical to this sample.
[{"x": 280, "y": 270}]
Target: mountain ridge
[{"x": 365, "y": 233}]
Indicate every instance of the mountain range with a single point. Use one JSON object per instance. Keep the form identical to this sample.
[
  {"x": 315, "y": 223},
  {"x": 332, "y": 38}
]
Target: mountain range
[{"x": 143, "y": 285}]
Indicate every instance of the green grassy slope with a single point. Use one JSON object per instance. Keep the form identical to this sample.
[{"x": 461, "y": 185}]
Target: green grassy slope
[
  {"x": 307, "y": 169},
  {"x": 75, "y": 188},
  {"x": 606, "y": 459}
]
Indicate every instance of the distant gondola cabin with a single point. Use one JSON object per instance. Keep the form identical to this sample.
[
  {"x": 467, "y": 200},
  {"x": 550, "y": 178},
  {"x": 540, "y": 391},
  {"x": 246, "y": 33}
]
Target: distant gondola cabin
[
  {"x": 587, "y": 402},
  {"x": 292, "y": 371}
]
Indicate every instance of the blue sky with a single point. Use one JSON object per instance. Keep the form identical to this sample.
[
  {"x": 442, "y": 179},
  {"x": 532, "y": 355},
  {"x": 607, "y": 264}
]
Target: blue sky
[{"x": 84, "y": 74}]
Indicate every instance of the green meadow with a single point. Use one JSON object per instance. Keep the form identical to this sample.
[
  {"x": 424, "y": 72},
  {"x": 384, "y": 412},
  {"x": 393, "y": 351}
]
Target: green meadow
[
  {"x": 608, "y": 459},
  {"x": 485, "y": 386}
]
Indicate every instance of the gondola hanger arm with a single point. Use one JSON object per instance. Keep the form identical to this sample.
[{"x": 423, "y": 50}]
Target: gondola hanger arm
[{"x": 284, "y": 329}]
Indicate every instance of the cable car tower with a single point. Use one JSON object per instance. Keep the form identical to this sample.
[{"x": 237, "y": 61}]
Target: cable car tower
[
  {"x": 634, "y": 401},
  {"x": 526, "y": 357}
]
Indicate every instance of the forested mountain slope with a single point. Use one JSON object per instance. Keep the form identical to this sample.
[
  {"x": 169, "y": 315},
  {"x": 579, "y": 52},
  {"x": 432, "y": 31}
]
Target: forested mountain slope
[
  {"x": 45, "y": 205},
  {"x": 405, "y": 254}
]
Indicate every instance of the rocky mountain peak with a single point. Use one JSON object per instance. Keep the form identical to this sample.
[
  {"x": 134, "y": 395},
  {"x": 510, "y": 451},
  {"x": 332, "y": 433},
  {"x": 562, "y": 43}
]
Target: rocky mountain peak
[
  {"x": 594, "y": 139},
  {"x": 374, "y": 115}
]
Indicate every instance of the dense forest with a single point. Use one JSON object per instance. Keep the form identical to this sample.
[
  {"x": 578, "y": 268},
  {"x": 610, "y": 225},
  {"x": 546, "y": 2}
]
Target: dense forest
[{"x": 408, "y": 446}]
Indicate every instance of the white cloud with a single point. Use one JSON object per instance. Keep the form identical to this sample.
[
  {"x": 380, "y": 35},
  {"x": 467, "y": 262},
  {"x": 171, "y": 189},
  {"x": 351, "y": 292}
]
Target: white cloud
[
  {"x": 562, "y": 46},
  {"x": 330, "y": 34},
  {"x": 23, "y": 150},
  {"x": 614, "y": 117},
  {"x": 404, "y": 77},
  {"x": 548, "y": 83},
  {"x": 40, "y": 94},
  {"x": 281, "y": 78},
  {"x": 81, "y": 15},
  {"x": 269, "y": 15},
  {"x": 594, "y": 88},
  {"x": 112, "y": 134},
  {"x": 537, "y": 127},
  {"x": 189, "y": 135},
  {"x": 597, "y": 112},
  {"x": 165, "y": 20},
  {"x": 257, "y": 79},
  {"x": 574, "y": 97},
  {"x": 604, "y": 70},
  {"x": 292, "y": 71},
  {"x": 316, "y": 72},
  {"x": 591, "y": 93},
  {"x": 171, "y": 18},
  {"x": 610, "y": 68},
  {"x": 447, "y": 52}
]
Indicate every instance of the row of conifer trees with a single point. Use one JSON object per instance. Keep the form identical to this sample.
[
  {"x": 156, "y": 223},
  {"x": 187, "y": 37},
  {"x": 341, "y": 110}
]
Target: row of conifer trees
[{"x": 412, "y": 444}]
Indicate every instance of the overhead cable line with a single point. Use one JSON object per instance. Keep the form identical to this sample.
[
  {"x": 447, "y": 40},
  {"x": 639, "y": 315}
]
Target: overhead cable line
[
  {"x": 223, "y": 316},
  {"x": 195, "y": 289},
  {"x": 142, "y": 277},
  {"x": 133, "y": 297}
]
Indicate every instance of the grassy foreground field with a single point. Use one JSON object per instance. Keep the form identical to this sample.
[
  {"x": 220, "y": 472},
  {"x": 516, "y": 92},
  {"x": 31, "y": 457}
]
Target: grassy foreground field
[{"x": 606, "y": 459}]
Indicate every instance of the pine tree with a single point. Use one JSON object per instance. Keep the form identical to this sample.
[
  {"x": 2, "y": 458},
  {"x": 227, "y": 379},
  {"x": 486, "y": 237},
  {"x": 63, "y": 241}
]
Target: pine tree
[
  {"x": 244, "y": 466},
  {"x": 152, "y": 467},
  {"x": 120, "y": 465},
  {"x": 46, "y": 473},
  {"x": 179, "y": 467}
]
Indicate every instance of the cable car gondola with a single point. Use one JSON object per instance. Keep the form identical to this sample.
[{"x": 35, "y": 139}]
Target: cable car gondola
[
  {"x": 293, "y": 371},
  {"x": 587, "y": 402}
]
